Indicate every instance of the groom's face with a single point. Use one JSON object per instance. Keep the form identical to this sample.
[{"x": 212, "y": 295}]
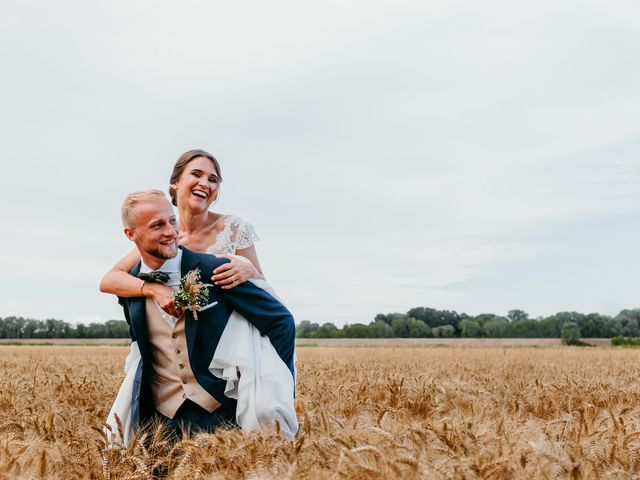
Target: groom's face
[{"x": 154, "y": 229}]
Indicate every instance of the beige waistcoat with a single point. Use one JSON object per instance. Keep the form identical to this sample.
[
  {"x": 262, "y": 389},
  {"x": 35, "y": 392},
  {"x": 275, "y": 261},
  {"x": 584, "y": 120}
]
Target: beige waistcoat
[{"x": 172, "y": 380}]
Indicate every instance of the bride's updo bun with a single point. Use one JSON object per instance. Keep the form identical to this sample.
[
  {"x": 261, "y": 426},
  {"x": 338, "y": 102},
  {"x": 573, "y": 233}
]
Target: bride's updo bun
[{"x": 182, "y": 163}]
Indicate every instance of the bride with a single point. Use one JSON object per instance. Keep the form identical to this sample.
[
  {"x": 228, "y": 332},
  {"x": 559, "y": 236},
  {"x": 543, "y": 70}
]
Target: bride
[{"x": 194, "y": 187}]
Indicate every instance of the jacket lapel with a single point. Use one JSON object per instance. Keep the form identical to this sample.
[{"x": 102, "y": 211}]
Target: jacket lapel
[{"x": 190, "y": 261}]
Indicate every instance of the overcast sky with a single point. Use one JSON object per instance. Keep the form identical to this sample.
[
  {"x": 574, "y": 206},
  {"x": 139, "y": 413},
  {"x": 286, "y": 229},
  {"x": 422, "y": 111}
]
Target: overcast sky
[{"x": 475, "y": 156}]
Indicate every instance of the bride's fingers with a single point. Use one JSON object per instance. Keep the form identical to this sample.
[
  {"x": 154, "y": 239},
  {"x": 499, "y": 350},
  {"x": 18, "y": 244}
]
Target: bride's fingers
[
  {"x": 226, "y": 280},
  {"x": 220, "y": 275},
  {"x": 235, "y": 280},
  {"x": 231, "y": 274},
  {"x": 223, "y": 267}
]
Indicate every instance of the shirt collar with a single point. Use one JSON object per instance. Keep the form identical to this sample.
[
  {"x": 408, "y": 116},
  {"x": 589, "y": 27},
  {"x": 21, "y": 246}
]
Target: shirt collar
[{"x": 170, "y": 266}]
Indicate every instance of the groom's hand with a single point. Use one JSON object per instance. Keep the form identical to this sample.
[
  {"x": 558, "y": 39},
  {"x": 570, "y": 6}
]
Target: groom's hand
[{"x": 163, "y": 296}]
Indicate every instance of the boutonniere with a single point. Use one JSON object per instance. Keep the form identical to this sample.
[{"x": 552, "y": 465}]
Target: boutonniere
[{"x": 192, "y": 294}]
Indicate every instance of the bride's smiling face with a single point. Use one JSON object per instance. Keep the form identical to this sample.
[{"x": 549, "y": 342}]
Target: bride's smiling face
[{"x": 197, "y": 187}]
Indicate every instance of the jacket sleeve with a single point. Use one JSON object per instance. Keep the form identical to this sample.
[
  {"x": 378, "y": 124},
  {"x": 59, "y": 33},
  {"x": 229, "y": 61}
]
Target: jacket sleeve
[{"x": 268, "y": 315}]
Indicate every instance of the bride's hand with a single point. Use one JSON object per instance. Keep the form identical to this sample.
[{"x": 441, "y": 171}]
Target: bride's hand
[
  {"x": 163, "y": 296},
  {"x": 233, "y": 273}
]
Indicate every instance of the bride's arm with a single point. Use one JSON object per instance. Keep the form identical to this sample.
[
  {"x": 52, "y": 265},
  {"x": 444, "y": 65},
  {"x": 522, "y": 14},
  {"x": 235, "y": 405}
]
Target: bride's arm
[
  {"x": 118, "y": 282},
  {"x": 237, "y": 271}
]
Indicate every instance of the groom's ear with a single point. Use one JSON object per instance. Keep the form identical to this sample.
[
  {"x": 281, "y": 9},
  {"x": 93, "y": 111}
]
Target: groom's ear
[{"x": 129, "y": 233}]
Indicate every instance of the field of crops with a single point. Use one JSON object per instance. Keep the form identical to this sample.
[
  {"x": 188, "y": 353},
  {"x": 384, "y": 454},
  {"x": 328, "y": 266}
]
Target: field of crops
[{"x": 364, "y": 413}]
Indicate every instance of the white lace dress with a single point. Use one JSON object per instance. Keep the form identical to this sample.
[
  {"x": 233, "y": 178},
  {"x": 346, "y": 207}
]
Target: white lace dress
[{"x": 255, "y": 374}]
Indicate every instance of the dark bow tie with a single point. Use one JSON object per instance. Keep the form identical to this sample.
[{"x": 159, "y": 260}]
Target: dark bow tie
[{"x": 157, "y": 276}]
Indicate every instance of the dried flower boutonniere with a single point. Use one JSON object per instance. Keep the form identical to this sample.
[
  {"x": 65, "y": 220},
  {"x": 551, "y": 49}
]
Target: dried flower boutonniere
[{"x": 192, "y": 294}]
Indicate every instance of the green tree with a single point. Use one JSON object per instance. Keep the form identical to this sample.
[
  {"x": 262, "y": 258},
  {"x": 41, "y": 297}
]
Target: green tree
[
  {"x": 81, "y": 331},
  {"x": 436, "y": 318},
  {"x": 549, "y": 327},
  {"x": 486, "y": 317},
  {"x": 495, "y": 328},
  {"x": 327, "y": 330},
  {"x": 306, "y": 329},
  {"x": 33, "y": 328},
  {"x": 356, "y": 330},
  {"x": 418, "y": 328},
  {"x": 631, "y": 329},
  {"x": 400, "y": 327},
  {"x": 563, "y": 317},
  {"x": 570, "y": 333},
  {"x": 517, "y": 315},
  {"x": 524, "y": 329},
  {"x": 117, "y": 329},
  {"x": 380, "y": 329},
  {"x": 627, "y": 323},
  {"x": 614, "y": 327},
  {"x": 10, "y": 327},
  {"x": 96, "y": 330},
  {"x": 443, "y": 331},
  {"x": 389, "y": 317},
  {"x": 593, "y": 325},
  {"x": 631, "y": 313},
  {"x": 57, "y": 328},
  {"x": 470, "y": 328}
]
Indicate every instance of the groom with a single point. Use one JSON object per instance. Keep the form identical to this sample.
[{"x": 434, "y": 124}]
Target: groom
[{"x": 173, "y": 382}]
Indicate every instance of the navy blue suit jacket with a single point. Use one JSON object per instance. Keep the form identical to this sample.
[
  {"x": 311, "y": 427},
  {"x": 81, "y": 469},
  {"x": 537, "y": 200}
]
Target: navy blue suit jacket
[{"x": 265, "y": 312}]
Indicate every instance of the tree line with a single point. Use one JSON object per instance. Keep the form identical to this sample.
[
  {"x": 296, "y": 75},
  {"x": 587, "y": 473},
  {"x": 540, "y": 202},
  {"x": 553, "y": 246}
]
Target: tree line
[
  {"x": 418, "y": 322},
  {"x": 422, "y": 322},
  {"x": 19, "y": 327}
]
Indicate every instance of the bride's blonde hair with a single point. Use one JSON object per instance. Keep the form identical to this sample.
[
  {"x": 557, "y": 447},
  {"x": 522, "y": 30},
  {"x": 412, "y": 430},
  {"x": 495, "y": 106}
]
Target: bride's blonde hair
[{"x": 182, "y": 163}]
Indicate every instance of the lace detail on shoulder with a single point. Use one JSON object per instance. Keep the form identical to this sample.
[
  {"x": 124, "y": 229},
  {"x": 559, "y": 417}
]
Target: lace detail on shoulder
[
  {"x": 245, "y": 235},
  {"x": 235, "y": 235}
]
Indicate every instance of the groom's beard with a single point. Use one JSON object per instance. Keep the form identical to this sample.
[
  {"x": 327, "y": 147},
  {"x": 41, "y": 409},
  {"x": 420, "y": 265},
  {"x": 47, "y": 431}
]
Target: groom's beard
[{"x": 164, "y": 252}]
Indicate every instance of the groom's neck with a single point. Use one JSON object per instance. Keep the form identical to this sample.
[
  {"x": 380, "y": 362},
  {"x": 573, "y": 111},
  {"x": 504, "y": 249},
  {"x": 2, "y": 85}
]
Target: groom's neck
[{"x": 153, "y": 262}]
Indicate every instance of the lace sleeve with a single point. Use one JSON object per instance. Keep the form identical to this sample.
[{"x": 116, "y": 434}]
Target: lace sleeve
[{"x": 244, "y": 235}]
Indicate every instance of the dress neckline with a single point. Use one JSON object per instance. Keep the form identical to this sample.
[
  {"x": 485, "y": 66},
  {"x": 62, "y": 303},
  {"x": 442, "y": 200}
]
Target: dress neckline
[{"x": 223, "y": 237}]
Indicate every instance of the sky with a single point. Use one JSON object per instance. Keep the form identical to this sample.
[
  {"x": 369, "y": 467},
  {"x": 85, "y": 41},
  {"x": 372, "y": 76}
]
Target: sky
[{"x": 462, "y": 155}]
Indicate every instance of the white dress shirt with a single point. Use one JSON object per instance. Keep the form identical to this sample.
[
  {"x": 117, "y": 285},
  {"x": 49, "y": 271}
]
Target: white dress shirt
[{"x": 172, "y": 267}]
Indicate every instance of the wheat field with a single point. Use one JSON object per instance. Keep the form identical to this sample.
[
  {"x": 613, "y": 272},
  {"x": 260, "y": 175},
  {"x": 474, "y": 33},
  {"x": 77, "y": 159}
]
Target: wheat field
[{"x": 364, "y": 413}]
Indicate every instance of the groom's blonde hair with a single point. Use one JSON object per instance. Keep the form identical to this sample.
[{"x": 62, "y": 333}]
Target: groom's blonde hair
[{"x": 133, "y": 199}]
